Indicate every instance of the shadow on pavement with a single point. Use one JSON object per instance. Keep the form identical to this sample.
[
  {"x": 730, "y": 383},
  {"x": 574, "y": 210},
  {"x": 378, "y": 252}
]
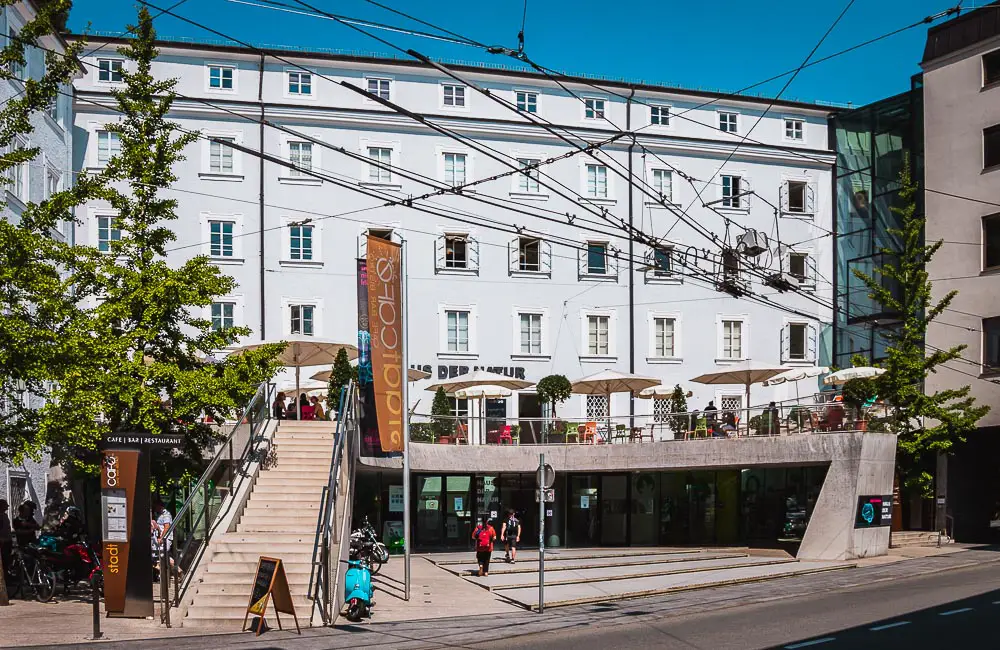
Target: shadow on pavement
[{"x": 965, "y": 623}]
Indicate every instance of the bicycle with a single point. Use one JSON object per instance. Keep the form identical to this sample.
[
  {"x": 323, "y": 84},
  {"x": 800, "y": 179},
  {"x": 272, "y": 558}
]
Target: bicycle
[{"x": 31, "y": 571}]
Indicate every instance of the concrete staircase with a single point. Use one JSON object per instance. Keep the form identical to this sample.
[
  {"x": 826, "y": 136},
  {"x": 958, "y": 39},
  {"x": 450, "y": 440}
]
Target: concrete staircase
[
  {"x": 279, "y": 521},
  {"x": 904, "y": 539}
]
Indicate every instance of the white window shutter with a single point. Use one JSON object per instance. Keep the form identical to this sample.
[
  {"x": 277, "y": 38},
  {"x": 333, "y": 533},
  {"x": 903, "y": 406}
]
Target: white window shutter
[
  {"x": 473, "y": 253},
  {"x": 440, "y": 244},
  {"x": 811, "y": 272},
  {"x": 745, "y": 188},
  {"x": 514, "y": 254},
  {"x": 783, "y": 196},
  {"x": 363, "y": 245},
  {"x": 786, "y": 342},
  {"x": 812, "y": 340},
  {"x": 810, "y": 199},
  {"x": 545, "y": 256}
]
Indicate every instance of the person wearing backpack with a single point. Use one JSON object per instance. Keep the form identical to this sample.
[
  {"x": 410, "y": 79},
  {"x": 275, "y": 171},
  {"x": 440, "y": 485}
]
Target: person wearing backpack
[
  {"x": 484, "y": 534},
  {"x": 510, "y": 535}
]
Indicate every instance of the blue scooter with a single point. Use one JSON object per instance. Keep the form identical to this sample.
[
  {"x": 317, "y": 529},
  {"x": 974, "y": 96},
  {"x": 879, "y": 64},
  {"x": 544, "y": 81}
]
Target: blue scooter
[{"x": 359, "y": 591}]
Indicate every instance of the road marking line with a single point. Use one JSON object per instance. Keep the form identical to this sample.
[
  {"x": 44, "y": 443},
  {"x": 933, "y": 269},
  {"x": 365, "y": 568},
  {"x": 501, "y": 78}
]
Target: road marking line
[
  {"x": 956, "y": 611},
  {"x": 809, "y": 643},
  {"x": 887, "y": 626}
]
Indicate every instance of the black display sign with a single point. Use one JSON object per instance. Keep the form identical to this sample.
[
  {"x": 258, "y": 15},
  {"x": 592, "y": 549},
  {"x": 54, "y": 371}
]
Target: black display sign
[
  {"x": 269, "y": 585},
  {"x": 873, "y": 511},
  {"x": 262, "y": 582}
]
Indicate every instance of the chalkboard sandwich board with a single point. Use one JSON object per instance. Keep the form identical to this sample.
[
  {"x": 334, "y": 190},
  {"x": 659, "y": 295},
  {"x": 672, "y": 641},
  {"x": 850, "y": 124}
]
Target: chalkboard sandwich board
[{"x": 270, "y": 585}]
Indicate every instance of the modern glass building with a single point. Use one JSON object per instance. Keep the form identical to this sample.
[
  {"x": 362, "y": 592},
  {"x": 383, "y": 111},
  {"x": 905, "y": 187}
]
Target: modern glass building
[{"x": 872, "y": 143}]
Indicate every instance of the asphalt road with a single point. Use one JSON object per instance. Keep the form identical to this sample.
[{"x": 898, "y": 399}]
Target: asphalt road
[{"x": 958, "y": 609}]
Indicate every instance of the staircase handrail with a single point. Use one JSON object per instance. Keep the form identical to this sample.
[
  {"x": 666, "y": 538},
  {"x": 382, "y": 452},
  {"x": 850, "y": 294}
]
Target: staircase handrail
[
  {"x": 319, "y": 587},
  {"x": 262, "y": 396}
]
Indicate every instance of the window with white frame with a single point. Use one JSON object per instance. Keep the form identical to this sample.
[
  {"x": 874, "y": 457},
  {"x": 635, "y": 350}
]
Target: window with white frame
[
  {"x": 456, "y": 330},
  {"x": 732, "y": 339},
  {"x": 729, "y": 122},
  {"x": 380, "y": 168},
  {"x": 794, "y": 129},
  {"x": 52, "y": 110},
  {"x": 300, "y": 242},
  {"x": 798, "y": 341},
  {"x": 663, "y": 184},
  {"x": 221, "y": 77},
  {"x": 456, "y": 251},
  {"x": 597, "y": 258},
  {"x": 16, "y": 68},
  {"x": 731, "y": 403},
  {"x": 663, "y": 260},
  {"x": 598, "y": 332},
  {"x": 597, "y": 181},
  {"x": 453, "y": 95},
  {"x": 527, "y": 180},
  {"x": 527, "y": 102},
  {"x": 659, "y": 115},
  {"x": 303, "y": 319},
  {"x": 598, "y": 407},
  {"x": 380, "y": 87},
  {"x": 797, "y": 197},
  {"x": 17, "y": 174},
  {"x": 220, "y": 156},
  {"x": 110, "y": 70},
  {"x": 454, "y": 169},
  {"x": 529, "y": 254},
  {"x": 663, "y": 338},
  {"x": 300, "y": 83},
  {"x": 221, "y": 238},
  {"x": 53, "y": 181},
  {"x": 109, "y": 145},
  {"x": 223, "y": 316},
  {"x": 731, "y": 190},
  {"x": 798, "y": 266},
  {"x": 300, "y": 154},
  {"x": 107, "y": 232},
  {"x": 531, "y": 333},
  {"x": 593, "y": 108},
  {"x": 459, "y": 409}
]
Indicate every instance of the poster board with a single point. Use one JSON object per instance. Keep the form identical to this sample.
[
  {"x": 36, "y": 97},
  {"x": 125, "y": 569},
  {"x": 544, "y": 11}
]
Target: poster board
[{"x": 270, "y": 584}]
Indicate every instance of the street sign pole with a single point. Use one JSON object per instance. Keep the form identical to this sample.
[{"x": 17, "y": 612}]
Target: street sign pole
[
  {"x": 541, "y": 536},
  {"x": 406, "y": 430}
]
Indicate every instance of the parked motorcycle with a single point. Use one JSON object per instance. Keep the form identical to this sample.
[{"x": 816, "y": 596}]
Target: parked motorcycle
[
  {"x": 72, "y": 558},
  {"x": 366, "y": 547},
  {"x": 359, "y": 592}
]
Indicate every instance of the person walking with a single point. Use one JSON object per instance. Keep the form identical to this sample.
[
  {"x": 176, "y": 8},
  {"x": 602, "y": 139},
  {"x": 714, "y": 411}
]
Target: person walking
[
  {"x": 6, "y": 537},
  {"x": 278, "y": 408},
  {"x": 161, "y": 538},
  {"x": 510, "y": 535},
  {"x": 25, "y": 525},
  {"x": 484, "y": 534}
]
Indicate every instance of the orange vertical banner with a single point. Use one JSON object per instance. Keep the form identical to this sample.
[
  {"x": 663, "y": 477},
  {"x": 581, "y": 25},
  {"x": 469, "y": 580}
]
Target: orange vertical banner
[{"x": 385, "y": 318}]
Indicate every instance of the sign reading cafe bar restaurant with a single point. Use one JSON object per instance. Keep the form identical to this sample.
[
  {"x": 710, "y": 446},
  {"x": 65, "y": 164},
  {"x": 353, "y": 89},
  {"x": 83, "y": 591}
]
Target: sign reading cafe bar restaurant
[{"x": 385, "y": 321}]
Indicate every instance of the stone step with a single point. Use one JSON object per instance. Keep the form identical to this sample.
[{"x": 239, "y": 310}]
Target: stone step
[
  {"x": 263, "y": 538},
  {"x": 283, "y": 509},
  {"x": 242, "y": 589},
  {"x": 301, "y": 602},
  {"x": 238, "y": 556},
  {"x": 291, "y": 480},
  {"x": 231, "y": 568},
  {"x": 278, "y": 496},
  {"x": 317, "y": 433},
  {"x": 300, "y": 472},
  {"x": 225, "y": 616},
  {"x": 307, "y": 457},
  {"x": 264, "y": 527},
  {"x": 318, "y": 448},
  {"x": 265, "y": 549}
]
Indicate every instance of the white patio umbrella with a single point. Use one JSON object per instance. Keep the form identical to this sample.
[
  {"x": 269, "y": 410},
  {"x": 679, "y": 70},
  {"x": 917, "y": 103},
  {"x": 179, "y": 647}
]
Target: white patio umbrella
[
  {"x": 309, "y": 387},
  {"x": 607, "y": 382},
  {"x": 656, "y": 391},
  {"x": 481, "y": 394},
  {"x": 479, "y": 378},
  {"x": 303, "y": 352},
  {"x": 796, "y": 375},
  {"x": 744, "y": 376},
  {"x": 411, "y": 375},
  {"x": 847, "y": 374}
]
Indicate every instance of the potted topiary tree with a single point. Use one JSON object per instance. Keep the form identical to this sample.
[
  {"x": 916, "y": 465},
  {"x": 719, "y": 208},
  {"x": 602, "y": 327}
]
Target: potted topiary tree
[
  {"x": 442, "y": 422},
  {"x": 554, "y": 389},
  {"x": 679, "y": 419},
  {"x": 341, "y": 374}
]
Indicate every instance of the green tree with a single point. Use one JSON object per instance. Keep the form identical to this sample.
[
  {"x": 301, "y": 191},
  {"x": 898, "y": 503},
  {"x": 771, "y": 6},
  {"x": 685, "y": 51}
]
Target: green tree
[
  {"x": 554, "y": 389},
  {"x": 679, "y": 424},
  {"x": 341, "y": 374},
  {"x": 43, "y": 332},
  {"x": 927, "y": 424},
  {"x": 152, "y": 369},
  {"x": 441, "y": 414}
]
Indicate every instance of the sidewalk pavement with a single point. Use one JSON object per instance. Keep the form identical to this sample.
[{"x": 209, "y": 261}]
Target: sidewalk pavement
[{"x": 28, "y": 623}]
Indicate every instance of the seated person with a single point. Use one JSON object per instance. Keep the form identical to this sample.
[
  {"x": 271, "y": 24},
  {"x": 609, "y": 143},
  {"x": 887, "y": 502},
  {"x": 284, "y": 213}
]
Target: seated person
[{"x": 728, "y": 423}]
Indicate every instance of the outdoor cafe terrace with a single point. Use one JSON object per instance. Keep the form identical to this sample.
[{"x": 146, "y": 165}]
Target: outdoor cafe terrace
[{"x": 817, "y": 413}]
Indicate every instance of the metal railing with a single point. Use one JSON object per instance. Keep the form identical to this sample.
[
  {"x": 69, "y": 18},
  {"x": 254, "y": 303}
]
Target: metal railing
[
  {"x": 822, "y": 413},
  {"x": 325, "y": 571},
  {"x": 188, "y": 535}
]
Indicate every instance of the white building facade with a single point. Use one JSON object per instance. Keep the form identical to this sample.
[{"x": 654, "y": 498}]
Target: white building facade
[
  {"x": 526, "y": 274},
  {"x": 34, "y": 182}
]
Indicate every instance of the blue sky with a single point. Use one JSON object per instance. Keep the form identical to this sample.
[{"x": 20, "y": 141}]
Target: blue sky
[{"x": 723, "y": 44}]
